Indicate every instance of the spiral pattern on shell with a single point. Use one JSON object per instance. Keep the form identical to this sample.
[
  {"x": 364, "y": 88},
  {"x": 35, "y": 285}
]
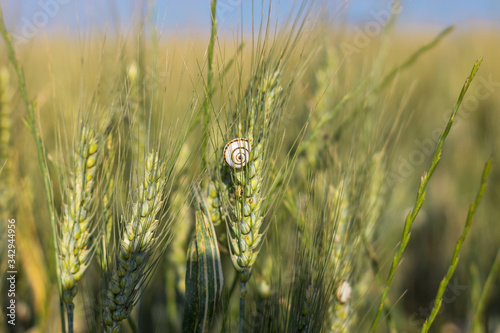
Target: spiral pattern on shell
[{"x": 237, "y": 153}]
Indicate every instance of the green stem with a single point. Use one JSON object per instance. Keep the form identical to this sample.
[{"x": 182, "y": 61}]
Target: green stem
[
  {"x": 131, "y": 324},
  {"x": 228, "y": 298},
  {"x": 69, "y": 310},
  {"x": 233, "y": 285},
  {"x": 42, "y": 155},
  {"x": 456, "y": 254},
  {"x": 242, "y": 306},
  {"x": 208, "y": 87},
  {"x": 405, "y": 237},
  {"x": 485, "y": 295}
]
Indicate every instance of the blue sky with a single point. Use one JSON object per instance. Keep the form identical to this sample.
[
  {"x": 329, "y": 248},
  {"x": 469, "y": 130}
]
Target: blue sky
[
  {"x": 179, "y": 17},
  {"x": 435, "y": 11}
]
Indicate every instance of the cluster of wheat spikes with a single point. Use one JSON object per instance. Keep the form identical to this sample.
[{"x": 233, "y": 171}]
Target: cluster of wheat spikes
[{"x": 292, "y": 205}]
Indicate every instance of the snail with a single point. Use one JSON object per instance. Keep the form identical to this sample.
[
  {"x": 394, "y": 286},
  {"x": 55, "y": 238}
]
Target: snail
[
  {"x": 344, "y": 291},
  {"x": 237, "y": 153}
]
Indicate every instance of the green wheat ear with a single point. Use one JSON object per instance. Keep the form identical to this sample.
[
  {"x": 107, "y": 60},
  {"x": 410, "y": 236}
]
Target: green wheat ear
[
  {"x": 79, "y": 214},
  {"x": 246, "y": 192},
  {"x": 132, "y": 266},
  {"x": 246, "y": 237}
]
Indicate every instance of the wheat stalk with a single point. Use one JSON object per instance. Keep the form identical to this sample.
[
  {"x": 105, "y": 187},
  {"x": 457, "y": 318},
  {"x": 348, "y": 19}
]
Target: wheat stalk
[
  {"x": 5, "y": 111},
  {"x": 5, "y": 179}
]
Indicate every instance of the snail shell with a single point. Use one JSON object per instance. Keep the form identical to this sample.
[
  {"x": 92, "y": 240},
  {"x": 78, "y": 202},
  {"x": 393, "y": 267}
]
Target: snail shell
[
  {"x": 237, "y": 153},
  {"x": 344, "y": 291}
]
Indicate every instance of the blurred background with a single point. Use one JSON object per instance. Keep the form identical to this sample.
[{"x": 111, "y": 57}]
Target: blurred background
[{"x": 64, "y": 45}]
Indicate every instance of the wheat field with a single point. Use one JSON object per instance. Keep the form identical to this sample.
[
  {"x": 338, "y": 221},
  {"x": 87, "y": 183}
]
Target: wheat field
[{"x": 303, "y": 178}]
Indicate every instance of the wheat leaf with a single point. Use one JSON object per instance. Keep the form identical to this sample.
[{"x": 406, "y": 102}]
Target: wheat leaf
[{"x": 204, "y": 279}]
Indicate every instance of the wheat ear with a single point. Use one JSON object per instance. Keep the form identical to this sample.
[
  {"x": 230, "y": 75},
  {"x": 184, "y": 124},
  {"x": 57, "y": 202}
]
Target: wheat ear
[
  {"x": 245, "y": 236},
  {"x": 131, "y": 268},
  {"x": 78, "y": 217}
]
